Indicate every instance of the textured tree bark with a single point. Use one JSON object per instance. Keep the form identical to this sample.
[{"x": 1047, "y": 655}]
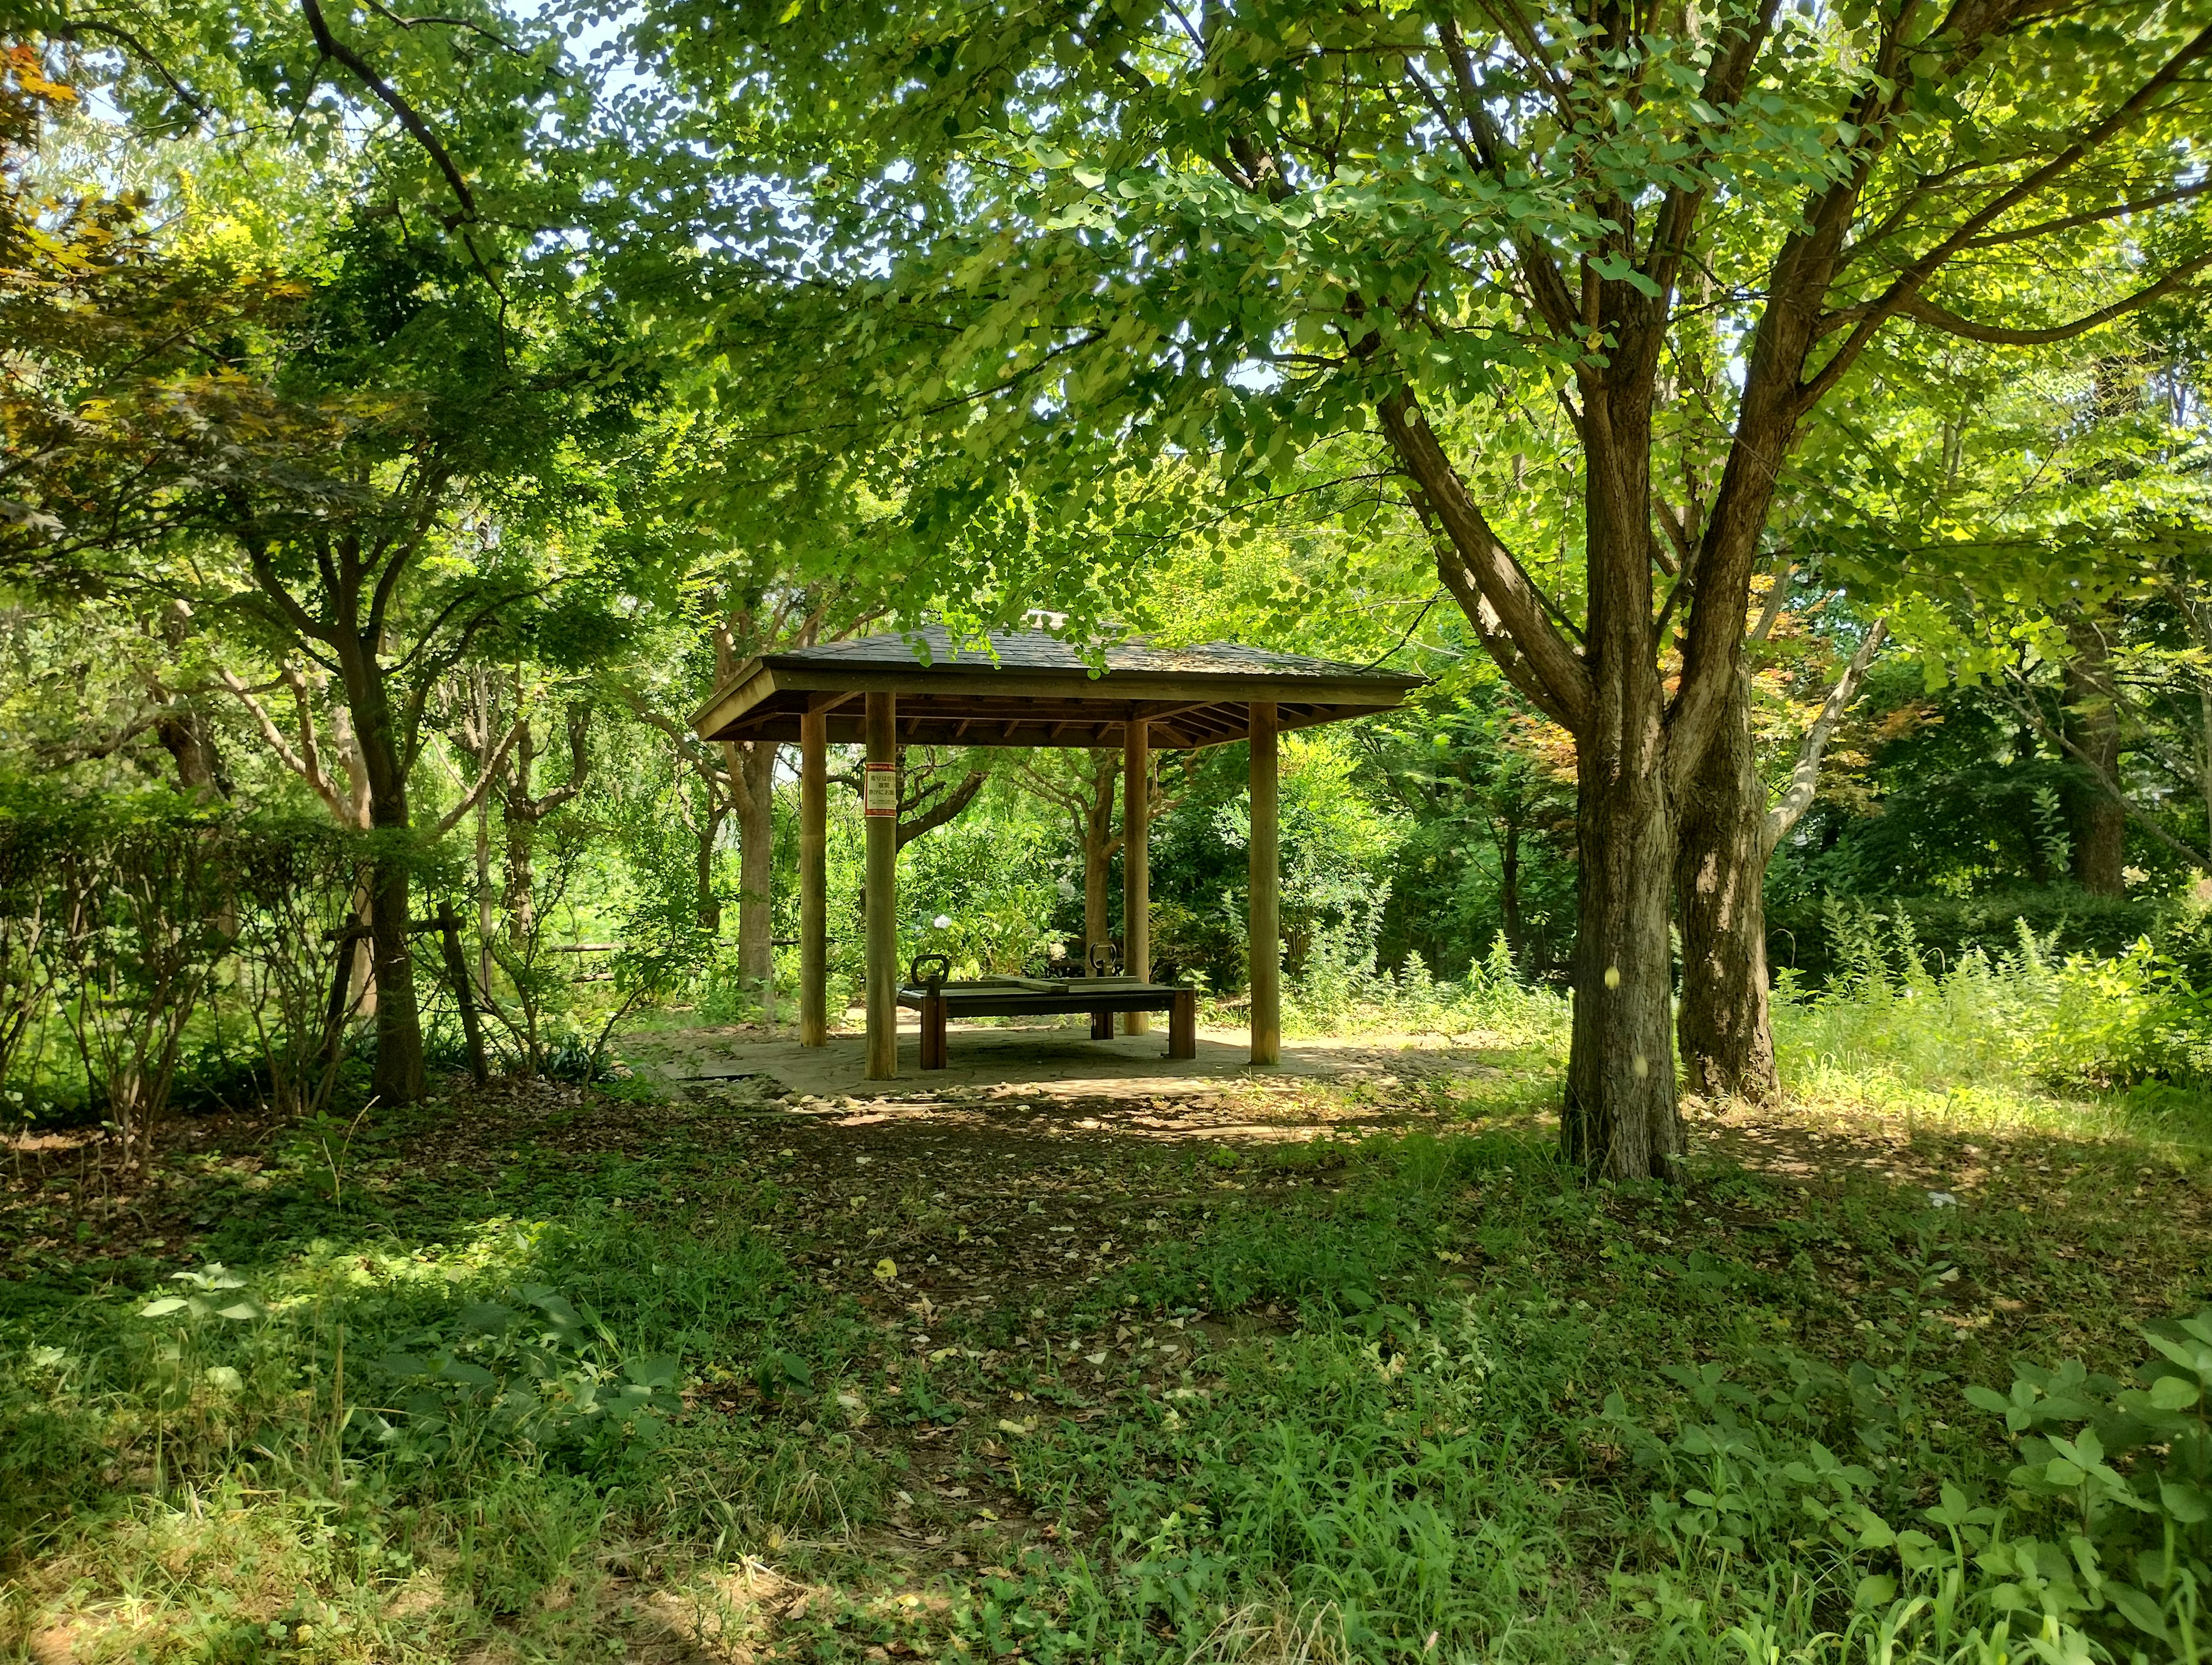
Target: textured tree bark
[
  {"x": 1620, "y": 1120},
  {"x": 2099, "y": 821},
  {"x": 1724, "y": 1027},
  {"x": 1265, "y": 894},
  {"x": 1089, "y": 800},
  {"x": 752, "y": 773},
  {"x": 397, "y": 1077},
  {"x": 1097, "y": 860},
  {"x": 189, "y": 740},
  {"x": 813, "y": 880},
  {"x": 1727, "y": 833}
]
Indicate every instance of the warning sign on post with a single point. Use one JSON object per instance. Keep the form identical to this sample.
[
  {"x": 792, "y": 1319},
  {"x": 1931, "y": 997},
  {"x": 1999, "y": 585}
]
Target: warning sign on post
[{"x": 881, "y": 797}]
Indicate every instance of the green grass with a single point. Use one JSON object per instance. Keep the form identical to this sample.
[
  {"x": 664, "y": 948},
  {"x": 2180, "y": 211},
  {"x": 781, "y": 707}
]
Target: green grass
[{"x": 588, "y": 1376}]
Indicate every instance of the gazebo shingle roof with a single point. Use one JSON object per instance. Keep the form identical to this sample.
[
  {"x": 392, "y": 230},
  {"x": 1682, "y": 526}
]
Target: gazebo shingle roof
[{"x": 1028, "y": 688}]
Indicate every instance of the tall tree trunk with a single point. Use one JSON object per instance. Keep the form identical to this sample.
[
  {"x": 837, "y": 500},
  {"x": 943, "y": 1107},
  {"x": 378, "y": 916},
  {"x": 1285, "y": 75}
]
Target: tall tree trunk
[
  {"x": 2092, "y": 720},
  {"x": 752, "y": 776},
  {"x": 360, "y": 978},
  {"x": 1098, "y": 857},
  {"x": 1509, "y": 886},
  {"x": 1728, "y": 834},
  {"x": 520, "y": 897},
  {"x": 1620, "y": 1119},
  {"x": 398, "y": 1075},
  {"x": 1727, "y": 1039}
]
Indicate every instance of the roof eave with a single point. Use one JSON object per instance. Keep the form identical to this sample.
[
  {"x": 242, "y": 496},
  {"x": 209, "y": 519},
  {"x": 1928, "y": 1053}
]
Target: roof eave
[{"x": 764, "y": 677}]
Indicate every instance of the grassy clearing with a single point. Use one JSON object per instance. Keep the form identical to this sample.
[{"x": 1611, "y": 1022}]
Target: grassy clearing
[{"x": 1297, "y": 1374}]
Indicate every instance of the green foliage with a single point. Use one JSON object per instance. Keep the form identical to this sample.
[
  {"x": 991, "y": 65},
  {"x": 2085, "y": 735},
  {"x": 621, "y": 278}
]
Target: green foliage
[
  {"x": 121, "y": 915},
  {"x": 540, "y": 1373},
  {"x": 994, "y": 874},
  {"x": 2077, "y": 1020},
  {"x": 2081, "y": 1559},
  {"x": 1378, "y": 1479},
  {"x": 2129, "y": 1470}
]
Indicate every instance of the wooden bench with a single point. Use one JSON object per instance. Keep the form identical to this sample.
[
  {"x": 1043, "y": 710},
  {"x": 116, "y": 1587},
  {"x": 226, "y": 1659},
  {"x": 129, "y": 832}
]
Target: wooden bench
[{"x": 1042, "y": 997}]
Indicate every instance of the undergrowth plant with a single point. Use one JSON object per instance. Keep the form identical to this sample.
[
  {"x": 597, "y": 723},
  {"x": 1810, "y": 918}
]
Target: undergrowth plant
[
  {"x": 2014, "y": 1029},
  {"x": 1341, "y": 989}
]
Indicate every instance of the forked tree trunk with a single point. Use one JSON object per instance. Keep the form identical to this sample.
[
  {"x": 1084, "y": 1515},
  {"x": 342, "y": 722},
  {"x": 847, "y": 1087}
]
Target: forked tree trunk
[
  {"x": 1727, "y": 1039},
  {"x": 190, "y": 740},
  {"x": 709, "y": 828}
]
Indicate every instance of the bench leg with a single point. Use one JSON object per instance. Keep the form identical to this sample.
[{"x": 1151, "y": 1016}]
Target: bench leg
[
  {"x": 933, "y": 1032},
  {"x": 1183, "y": 1024},
  {"x": 1102, "y": 1025}
]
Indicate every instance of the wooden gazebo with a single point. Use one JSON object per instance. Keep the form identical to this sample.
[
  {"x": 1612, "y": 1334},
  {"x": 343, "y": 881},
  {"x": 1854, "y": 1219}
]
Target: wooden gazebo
[{"x": 1028, "y": 688}]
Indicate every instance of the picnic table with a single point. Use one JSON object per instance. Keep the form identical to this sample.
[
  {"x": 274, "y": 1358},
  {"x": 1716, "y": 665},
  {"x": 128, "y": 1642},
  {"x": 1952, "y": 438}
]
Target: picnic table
[{"x": 937, "y": 998}]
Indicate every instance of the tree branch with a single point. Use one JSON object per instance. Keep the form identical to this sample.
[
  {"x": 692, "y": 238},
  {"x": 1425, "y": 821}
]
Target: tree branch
[
  {"x": 493, "y": 765},
  {"x": 943, "y": 810},
  {"x": 1489, "y": 567},
  {"x": 1921, "y": 310},
  {"x": 1908, "y": 282},
  {"x": 332, "y": 47},
  {"x": 1804, "y": 780},
  {"x": 305, "y": 763}
]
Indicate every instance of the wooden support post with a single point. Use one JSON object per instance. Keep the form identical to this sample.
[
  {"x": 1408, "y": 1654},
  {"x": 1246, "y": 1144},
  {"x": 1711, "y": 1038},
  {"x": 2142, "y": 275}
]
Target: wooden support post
[
  {"x": 457, "y": 974},
  {"x": 1266, "y": 895},
  {"x": 883, "y": 885},
  {"x": 813, "y": 880},
  {"x": 1136, "y": 866},
  {"x": 933, "y": 1031},
  {"x": 1183, "y": 1024},
  {"x": 1102, "y": 1025}
]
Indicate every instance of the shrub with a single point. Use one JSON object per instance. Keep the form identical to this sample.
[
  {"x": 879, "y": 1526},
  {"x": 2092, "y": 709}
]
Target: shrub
[
  {"x": 2100, "y": 1541},
  {"x": 2081, "y": 1021},
  {"x": 122, "y": 917}
]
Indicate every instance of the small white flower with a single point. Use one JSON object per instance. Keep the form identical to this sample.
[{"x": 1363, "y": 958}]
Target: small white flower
[{"x": 1942, "y": 1199}]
